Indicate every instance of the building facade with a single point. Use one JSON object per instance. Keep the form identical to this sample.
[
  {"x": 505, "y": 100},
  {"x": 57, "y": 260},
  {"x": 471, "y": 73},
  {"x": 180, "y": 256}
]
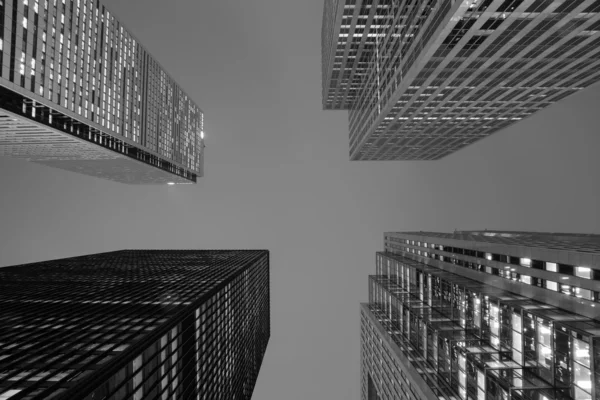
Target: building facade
[
  {"x": 485, "y": 315},
  {"x": 422, "y": 79},
  {"x": 80, "y": 93},
  {"x": 159, "y": 324}
]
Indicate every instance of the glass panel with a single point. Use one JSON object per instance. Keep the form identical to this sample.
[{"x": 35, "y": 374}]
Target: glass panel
[
  {"x": 137, "y": 378},
  {"x": 551, "y": 267},
  {"x": 583, "y": 272},
  {"x": 462, "y": 376},
  {"x": 582, "y": 376},
  {"x": 582, "y": 352},
  {"x": 583, "y": 293},
  {"x": 516, "y": 321},
  {"x": 582, "y": 395}
]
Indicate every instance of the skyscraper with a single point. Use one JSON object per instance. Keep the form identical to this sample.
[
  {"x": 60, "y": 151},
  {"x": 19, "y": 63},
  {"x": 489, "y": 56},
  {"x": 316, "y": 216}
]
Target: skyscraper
[
  {"x": 80, "y": 93},
  {"x": 485, "y": 315},
  {"x": 142, "y": 324},
  {"x": 423, "y": 79}
]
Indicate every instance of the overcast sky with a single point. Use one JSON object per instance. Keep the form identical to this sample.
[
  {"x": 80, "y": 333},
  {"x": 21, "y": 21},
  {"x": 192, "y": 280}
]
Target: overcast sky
[{"x": 277, "y": 176}]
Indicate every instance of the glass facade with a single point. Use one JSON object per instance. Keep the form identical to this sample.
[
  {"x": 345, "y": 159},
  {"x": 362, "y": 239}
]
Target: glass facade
[
  {"x": 135, "y": 325},
  {"x": 438, "y": 315},
  {"x": 424, "y": 79},
  {"x": 475, "y": 341},
  {"x": 72, "y": 67}
]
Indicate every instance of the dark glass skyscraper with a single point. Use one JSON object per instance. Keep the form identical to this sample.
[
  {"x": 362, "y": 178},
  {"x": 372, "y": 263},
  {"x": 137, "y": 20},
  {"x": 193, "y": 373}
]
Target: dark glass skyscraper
[
  {"x": 80, "y": 93},
  {"x": 483, "y": 315},
  {"x": 141, "y": 324},
  {"x": 422, "y": 79}
]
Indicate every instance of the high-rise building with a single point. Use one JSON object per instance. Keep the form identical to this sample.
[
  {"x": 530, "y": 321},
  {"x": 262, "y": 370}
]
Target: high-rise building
[
  {"x": 422, "y": 79},
  {"x": 139, "y": 325},
  {"x": 79, "y": 92},
  {"x": 483, "y": 315}
]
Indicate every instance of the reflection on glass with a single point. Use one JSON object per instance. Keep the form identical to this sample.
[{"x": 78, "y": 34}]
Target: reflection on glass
[
  {"x": 582, "y": 376},
  {"x": 582, "y": 395},
  {"x": 516, "y": 321},
  {"x": 480, "y": 386},
  {"x": 462, "y": 376},
  {"x": 582, "y": 352}
]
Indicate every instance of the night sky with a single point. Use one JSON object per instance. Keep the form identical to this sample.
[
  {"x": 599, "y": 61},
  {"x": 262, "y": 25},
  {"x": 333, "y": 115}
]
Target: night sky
[{"x": 278, "y": 177}]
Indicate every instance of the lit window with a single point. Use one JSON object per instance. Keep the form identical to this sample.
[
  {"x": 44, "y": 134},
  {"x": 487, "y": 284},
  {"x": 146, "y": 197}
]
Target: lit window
[
  {"x": 583, "y": 293},
  {"x": 552, "y": 285},
  {"x": 551, "y": 267},
  {"x": 526, "y": 262},
  {"x": 488, "y": 256},
  {"x": 7, "y": 395},
  {"x": 583, "y": 272}
]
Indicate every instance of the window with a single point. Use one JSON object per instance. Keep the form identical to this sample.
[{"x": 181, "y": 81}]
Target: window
[
  {"x": 551, "y": 267},
  {"x": 583, "y": 272},
  {"x": 552, "y": 285},
  {"x": 583, "y": 293},
  {"x": 526, "y": 262},
  {"x": 9, "y": 394},
  {"x": 537, "y": 264},
  {"x": 566, "y": 269}
]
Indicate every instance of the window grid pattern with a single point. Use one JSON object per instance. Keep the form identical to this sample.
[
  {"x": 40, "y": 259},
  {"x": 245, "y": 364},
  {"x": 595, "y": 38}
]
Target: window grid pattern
[
  {"x": 467, "y": 70},
  {"x": 75, "y": 57},
  {"x": 483, "y": 342},
  {"x": 383, "y": 371},
  {"x": 135, "y": 325}
]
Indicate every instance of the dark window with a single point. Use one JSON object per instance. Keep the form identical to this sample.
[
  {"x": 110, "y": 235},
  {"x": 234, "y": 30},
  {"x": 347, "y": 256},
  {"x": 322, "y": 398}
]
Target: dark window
[
  {"x": 509, "y": 5},
  {"x": 565, "y": 269},
  {"x": 492, "y": 23},
  {"x": 537, "y": 264},
  {"x": 514, "y": 260},
  {"x": 371, "y": 391}
]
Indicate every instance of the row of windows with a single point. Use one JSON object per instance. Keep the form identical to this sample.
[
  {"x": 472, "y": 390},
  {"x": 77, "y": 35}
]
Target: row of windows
[
  {"x": 566, "y": 269},
  {"x": 510, "y": 273}
]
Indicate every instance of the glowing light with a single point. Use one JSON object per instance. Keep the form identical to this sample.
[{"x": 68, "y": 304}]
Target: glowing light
[
  {"x": 544, "y": 330},
  {"x": 584, "y": 384},
  {"x": 170, "y": 183},
  {"x": 581, "y": 353},
  {"x": 201, "y": 134}
]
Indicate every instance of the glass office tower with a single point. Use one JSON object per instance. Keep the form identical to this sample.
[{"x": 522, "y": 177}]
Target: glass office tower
[
  {"x": 138, "y": 325},
  {"x": 483, "y": 315},
  {"x": 422, "y": 79},
  {"x": 79, "y": 92}
]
